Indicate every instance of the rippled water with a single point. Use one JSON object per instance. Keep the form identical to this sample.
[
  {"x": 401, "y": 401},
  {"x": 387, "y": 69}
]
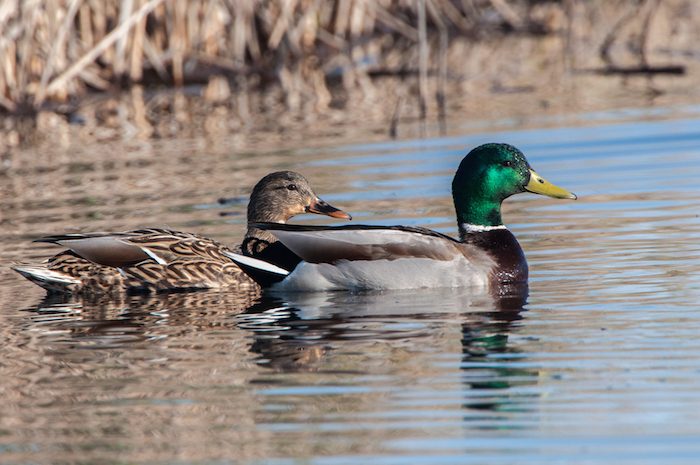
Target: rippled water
[{"x": 601, "y": 365}]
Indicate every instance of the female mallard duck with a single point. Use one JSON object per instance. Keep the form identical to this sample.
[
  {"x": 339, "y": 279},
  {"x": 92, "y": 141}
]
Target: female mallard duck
[
  {"x": 400, "y": 257},
  {"x": 148, "y": 260}
]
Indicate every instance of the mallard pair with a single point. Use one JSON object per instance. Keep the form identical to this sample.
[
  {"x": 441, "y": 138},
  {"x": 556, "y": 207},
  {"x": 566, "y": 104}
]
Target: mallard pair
[
  {"x": 486, "y": 255},
  {"x": 281, "y": 256}
]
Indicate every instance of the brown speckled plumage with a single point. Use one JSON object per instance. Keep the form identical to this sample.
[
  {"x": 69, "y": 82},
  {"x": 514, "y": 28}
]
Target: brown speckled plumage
[
  {"x": 156, "y": 260},
  {"x": 192, "y": 262}
]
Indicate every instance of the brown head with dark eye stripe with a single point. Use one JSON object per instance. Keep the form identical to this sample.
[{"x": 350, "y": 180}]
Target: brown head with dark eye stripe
[{"x": 283, "y": 194}]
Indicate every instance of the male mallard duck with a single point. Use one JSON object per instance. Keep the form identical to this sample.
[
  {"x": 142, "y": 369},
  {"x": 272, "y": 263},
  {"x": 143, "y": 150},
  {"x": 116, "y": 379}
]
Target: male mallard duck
[
  {"x": 400, "y": 257},
  {"x": 160, "y": 259}
]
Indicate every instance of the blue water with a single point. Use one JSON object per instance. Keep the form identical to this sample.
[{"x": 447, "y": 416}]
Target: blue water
[{"x": 600, "y": 365}]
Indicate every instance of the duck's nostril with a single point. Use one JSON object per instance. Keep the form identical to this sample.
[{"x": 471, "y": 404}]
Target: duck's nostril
[{"x": 541, "y": 181}]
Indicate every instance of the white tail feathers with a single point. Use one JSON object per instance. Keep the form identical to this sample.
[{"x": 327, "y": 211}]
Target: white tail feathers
[
  {"x": 48, "y": 279},
  {"x": 256, "y": 263}
]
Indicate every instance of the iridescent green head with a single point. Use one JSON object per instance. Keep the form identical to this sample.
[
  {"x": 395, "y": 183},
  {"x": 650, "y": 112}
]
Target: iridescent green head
[{"x": 487, "y": 176}]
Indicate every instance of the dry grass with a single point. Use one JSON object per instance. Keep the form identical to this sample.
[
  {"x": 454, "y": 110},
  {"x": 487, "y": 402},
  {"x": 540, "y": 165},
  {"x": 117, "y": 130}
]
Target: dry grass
[{"x": 52, "y": 52}]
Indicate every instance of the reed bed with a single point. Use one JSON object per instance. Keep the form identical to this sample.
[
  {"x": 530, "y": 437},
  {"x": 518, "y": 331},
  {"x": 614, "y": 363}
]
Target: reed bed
[
  {"x": 57, "y": 49},
  {"x": 53, "y": 52}
]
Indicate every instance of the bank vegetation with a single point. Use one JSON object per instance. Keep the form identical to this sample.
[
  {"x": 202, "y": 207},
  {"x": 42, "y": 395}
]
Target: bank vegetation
[{"x": 54, "y": 53}]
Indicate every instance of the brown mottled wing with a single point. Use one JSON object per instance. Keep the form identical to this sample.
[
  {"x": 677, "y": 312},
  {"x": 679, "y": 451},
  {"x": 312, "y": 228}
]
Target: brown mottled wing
[
  {"x": 170, "y": 246},
  {"x": 186, "y": 274},
  {"x": 149, "y": 259},
  {"x": 180, "y": 260},
  {"x": 93, "y": 277}
]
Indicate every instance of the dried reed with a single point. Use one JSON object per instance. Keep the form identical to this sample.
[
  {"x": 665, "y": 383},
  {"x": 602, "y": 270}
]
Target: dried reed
[{"x": 56, "y": 50}]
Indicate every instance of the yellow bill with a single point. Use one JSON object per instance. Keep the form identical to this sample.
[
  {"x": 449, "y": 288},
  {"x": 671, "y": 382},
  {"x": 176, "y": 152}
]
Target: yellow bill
[{"x": 539, "y": 185}]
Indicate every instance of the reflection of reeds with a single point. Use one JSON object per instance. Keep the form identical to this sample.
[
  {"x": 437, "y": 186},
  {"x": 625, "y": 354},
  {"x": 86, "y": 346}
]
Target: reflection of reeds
[
  {"x": 56, "y": 49},
  {"x": 321, "y": 54}
]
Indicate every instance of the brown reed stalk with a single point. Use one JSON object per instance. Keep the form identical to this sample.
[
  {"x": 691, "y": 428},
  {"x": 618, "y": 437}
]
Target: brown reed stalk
[
  {"x": 100, "y": 47},
  {"x": 423, "y": 58},
  {"x": 56, "y": 49}
]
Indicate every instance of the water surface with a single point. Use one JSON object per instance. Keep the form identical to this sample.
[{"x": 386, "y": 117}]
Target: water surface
[{"x": 600, "y": 365}]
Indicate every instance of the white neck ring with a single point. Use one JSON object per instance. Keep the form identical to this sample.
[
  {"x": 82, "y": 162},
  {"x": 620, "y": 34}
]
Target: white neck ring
[{"x": 472, "y": 228}]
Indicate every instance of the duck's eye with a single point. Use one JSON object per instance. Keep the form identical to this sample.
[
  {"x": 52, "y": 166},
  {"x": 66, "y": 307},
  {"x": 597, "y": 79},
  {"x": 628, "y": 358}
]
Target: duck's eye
[
  {"x": 292, "y": 187},
  {"x": 507, "y": 163}
]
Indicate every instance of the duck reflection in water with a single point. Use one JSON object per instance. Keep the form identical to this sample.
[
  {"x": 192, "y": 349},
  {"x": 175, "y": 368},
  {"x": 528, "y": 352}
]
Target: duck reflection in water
[
  {"x": 296, "y": 331},
  {"x": 290, "y": 332},
  {"x": 106, "y": 321},
  {"x": 491, "y": 366}
]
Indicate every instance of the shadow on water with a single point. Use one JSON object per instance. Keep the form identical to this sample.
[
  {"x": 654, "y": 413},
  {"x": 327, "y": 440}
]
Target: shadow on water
[
  {"x": 289, "y": 331},
  {"x": 113, "y": 322},
  {"x": 296, "y": 331},
  {"x": 341, "y": 337}
]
